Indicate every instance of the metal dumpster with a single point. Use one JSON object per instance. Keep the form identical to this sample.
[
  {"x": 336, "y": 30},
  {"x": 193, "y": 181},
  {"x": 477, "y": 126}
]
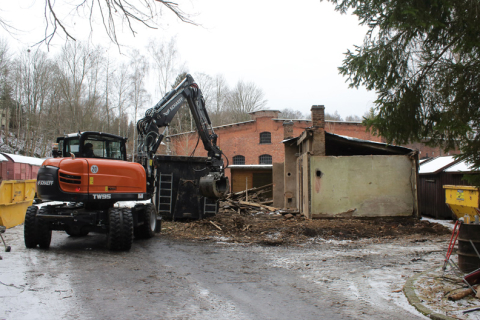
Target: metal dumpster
[
  {"x": 462, "y": 200},
  {"x": 178, "y": 193},
  {"x": 15, "y": 197}
]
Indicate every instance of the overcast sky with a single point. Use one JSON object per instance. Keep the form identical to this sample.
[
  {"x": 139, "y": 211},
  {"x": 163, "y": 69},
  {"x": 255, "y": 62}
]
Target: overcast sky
[{"x": 291, "y": 50}]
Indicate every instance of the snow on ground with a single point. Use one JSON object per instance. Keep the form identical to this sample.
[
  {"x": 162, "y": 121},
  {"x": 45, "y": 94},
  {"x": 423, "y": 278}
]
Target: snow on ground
[
  {"x": 21, "y": 284},
  {"x": 447, "y": 223}
]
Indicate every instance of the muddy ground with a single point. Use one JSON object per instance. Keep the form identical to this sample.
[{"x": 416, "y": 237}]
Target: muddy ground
[
  {"x": 265, "y": 228},
  {"x": 175, "y": 279},
  {"x": 248, "y": 265}
]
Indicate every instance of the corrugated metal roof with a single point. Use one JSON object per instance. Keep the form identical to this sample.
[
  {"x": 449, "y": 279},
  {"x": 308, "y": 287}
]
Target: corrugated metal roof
[
  {"x": 23, "y": 159},
  {"x": 381, "y": 145},
  {"x": 362, "y": 144},
  {"x": 436, "y": 164},
  {"x": 461, "y": 167}
]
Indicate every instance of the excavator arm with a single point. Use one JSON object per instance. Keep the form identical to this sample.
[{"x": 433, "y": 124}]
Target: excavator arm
[{"x": 214, "y": 184}]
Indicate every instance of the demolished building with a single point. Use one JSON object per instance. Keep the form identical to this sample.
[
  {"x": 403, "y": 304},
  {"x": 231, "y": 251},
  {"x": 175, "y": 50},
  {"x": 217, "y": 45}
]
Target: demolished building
[{"x": 328, "y": 176}]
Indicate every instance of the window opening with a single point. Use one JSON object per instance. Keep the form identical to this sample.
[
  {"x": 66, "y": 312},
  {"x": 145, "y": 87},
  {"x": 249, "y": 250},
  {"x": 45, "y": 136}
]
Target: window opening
[
  {"x": 265, "y": 159},
  {"x": 239, "y": 159},
  {"x": 265, "y": 137}
]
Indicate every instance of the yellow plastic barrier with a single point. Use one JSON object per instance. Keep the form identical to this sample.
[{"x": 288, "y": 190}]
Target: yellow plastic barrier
[
  {"x": 462, "y": 200},
  {"x": 15, "y": 197}
]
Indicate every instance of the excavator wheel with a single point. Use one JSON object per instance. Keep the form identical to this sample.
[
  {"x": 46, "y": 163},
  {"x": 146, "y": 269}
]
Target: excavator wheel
[
  {"x": 44, "y": 234},
  {"x": 149, "y": 217},
  {"x": 120, "y": 229},
  {"x": 30, "y": 227}
]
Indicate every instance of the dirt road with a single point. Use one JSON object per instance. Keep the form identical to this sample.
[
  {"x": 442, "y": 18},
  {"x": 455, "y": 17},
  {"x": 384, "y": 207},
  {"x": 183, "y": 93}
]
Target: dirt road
[{"x": 167, "y": 278}]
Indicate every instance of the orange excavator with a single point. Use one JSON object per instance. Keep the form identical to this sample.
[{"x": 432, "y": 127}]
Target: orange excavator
[{"x": 89, "y": 173}]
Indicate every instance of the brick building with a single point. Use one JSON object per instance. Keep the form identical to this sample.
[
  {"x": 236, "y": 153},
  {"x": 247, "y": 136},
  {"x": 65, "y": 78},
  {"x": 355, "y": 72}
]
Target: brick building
[{"x": 253, "y": 146}]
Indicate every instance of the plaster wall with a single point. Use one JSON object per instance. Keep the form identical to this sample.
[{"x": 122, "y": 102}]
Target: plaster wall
[
  {"x": 362, "y": 186},
  {"x": 303, "y": 192},
  {"x": 277, "y": 180},
  {"x": 290, "y": 176}
]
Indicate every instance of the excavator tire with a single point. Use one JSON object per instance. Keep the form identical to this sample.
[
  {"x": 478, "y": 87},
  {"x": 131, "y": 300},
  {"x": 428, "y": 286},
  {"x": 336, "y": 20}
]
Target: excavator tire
[
  {"x": 30, "y": 227},
  {"x": 44, "y": 234},
  {"x": 120, "y": 230},
  {"x": 149, "y": 217}
]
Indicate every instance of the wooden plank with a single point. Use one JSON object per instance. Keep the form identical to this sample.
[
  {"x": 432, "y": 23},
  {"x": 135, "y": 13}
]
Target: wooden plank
[{"x": 253, "y": 204}]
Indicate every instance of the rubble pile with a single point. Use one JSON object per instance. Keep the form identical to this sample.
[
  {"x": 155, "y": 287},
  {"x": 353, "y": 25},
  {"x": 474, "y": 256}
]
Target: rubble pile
[
  {"x": 248, "y": 217},
  {"x": 251, "y": 199}
]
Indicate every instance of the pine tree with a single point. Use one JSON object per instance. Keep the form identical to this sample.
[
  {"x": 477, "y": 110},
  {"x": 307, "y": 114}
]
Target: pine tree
[{"x": 422, "y": 57}]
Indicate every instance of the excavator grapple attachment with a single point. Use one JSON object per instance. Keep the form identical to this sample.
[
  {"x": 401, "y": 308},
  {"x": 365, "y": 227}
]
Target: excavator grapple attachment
[{"x": 214, "y": 185}]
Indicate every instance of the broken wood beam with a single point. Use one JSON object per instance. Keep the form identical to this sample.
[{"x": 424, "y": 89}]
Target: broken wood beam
[
  {"x": 252, "y": 189},
  {"x": 216, "y": 225},
  {"x": 253, "y": 204},
  {"x": 266, "y": 202},
  {"x": 462, "y": 294}
]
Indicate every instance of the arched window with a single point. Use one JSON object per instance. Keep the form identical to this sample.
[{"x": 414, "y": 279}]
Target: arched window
[
  {"x": 265, "y": 159},
  {"x": 265, "y": 137},
  {"x": 239, "y": 160}
]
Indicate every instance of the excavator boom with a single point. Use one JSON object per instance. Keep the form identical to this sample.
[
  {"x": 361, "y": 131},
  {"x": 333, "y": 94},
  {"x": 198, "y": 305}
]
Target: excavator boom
[{"x": 214, "y": 184}]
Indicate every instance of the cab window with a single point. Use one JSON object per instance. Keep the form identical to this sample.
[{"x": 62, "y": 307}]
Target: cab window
[
  {"x": 106, "y": 147},
  {"x": 72, "y": 146}
]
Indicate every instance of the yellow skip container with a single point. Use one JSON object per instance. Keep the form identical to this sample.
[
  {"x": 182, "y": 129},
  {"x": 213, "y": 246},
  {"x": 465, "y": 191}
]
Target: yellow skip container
[
  {"x": 15, "y": 197},
  {"x": 462, "y": 200}
]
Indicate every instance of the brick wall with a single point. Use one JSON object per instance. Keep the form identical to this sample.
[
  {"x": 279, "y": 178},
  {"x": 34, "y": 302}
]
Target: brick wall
[
  {"x": 351, "y": 129},
  {"x": 430, "y": 152},
  {"x": 244, "y": 138}
]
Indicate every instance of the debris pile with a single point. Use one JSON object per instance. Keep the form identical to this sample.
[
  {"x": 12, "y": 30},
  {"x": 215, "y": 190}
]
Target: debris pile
[
  {"x": 274, "y": 228},
  {"x": 447, "y": 293},
  {"x": 251, "y": 199},
  {"x": 255, "y": 200}
]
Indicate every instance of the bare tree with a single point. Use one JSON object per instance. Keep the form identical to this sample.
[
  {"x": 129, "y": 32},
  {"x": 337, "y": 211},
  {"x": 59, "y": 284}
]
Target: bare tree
[
  {"x": 5, "y": 86},
  {"x": 107, "y": 104},
  {"x": 353, "y": 117},
  {"x": 138, "y": 94},
  {"x": 166, "y": 63},
  {"x": 166, "y": 68},
  {"x": 335, "y": 116},
  {"x": 33, "y": 74},
  {"x": 243, "y": 99},
  {"x": 76, "y": 61},
  {"x": 95, "y": 94},
  {"x": 112, "y": 13},
  {"x": 121, "y": 88},
  {"x": 289, "y": 113},
  {"x": 218, "y": 101}
]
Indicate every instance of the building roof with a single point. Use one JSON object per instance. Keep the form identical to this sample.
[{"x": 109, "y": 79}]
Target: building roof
[
  {"x": 2, "y": 158},
  {"x": 23, "y": 159},
  {"x": 461, "y": 166},
  {"x": 436, "y": 165},
  {"x": 338, "y": 145},
  {"x": 250, "y": 166},
  {"x": 264, "y": 110}
]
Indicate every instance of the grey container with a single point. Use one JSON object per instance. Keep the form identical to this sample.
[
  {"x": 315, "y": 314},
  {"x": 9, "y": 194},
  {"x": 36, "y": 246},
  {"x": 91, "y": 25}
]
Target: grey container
[{"x": 177, "y": 184}]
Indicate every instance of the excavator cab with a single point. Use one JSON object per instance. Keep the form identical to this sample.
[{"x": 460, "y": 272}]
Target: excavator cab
[{"x": 91, "y": 145}]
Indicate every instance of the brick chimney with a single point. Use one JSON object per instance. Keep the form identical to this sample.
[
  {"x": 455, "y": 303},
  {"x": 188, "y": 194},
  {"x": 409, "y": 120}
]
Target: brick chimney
[
  {"x": 318, "y": 124},
  {"x": 287, "y": 130},
  {"x": 318, "y": 116}
]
